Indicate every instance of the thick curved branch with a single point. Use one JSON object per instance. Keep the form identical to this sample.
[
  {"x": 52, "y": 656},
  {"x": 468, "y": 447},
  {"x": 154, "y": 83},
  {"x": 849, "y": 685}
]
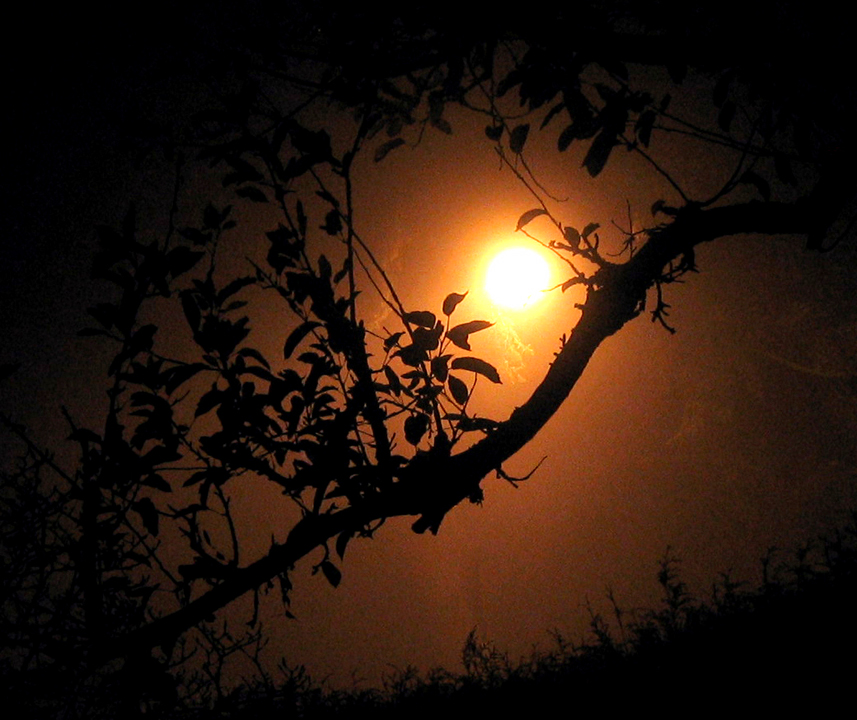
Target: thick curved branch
[{"x": 433, "y": 484}]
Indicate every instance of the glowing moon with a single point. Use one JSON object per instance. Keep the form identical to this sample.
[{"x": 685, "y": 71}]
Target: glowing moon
[{"x": 516, "y": 278}]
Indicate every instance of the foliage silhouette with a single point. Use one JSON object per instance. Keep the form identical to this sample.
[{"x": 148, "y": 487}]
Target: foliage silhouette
[{"x": 112, "y": 561}]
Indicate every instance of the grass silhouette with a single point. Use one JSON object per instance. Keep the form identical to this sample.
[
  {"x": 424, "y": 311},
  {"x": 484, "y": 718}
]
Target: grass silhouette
[{"x": 785, "y": 644}]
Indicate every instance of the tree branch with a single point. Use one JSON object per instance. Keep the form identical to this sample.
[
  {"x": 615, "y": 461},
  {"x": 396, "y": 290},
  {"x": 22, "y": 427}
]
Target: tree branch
[{"x": 430, "y": 485}]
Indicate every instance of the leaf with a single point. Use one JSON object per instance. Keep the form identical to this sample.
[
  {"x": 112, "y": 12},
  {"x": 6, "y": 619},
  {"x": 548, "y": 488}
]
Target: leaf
[
  {"x": 210, "y": 400},
  {"x": 460, "y": 333},
  {"x": 7, "y": 369},
  {"x": 451, "y": 301},
  {"x": 599, "y": 152},
  {"x": 393, "y": 380},
  {"x": 551, "y": 114},
  {"x": 233, "y": 287},
  {"x": 92, "y": 332},
  {"x": 677, "y": 71},
  {"x": 415, "y": 427},
  {"x": 724, "y": 118},
  {"x": 441, "y": 125},
  {"x": 458, "y": 389},
  {"x": 181, "y": 259},
  {"x": 411, "y": 355},
  {"x": 423, "y": 318},
  {"x": 644, "y": 126},
  {"x": 176, "y": 376},
  {"x": 589, "y": 229},
  {"x": 518, "y": 137},
  {"x": 440, "y": 367},
  {"x": 494, "y": 132},
  {"x": 572, "y": 236},
  {"x": 156, "y": 481},
  {"x": 148, "y": 513},
  {"x": 387, "y": 147},
  {"x": 332, "y": 223},
  {"x": 331, "y": 572},
  {"x": 251, "y": 192},
  {"x": 478, "y": 366},
  {"x": 757, "y": 181},
  {"x": 85, "y": 435},
  {"x": 784, "y": 170},
  {"x": 256, "y": 355},
  {"x": 191, "y": 310},
  {"x": 565, "y": 138},
  {"x": 211, "y": 217},
  {"x": 428, "y": 340},
  {"x": 342, "y": 543},
  {"x": 529, "y": 216},
  {"x": 392, "y": 340},
  {"x": 298, "y": 334}
]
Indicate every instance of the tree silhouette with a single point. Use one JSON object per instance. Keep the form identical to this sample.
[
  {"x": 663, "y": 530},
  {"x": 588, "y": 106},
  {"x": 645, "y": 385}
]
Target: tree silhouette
[{"x": 127, "y": 548}]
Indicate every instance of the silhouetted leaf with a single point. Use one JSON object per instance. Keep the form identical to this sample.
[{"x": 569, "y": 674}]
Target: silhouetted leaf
[
  {"x": 518, "y": 138},
  {"x": 451, "y": 301},
  {"x": 441, "y": 125},
  {"x": 677, "y": 71},
  {"x": 428, "y": 340},
  {"x": 342, "y": 543},
  {"x": 460, "y": 333},
  {"x": 784, "y": 170},
  {"x": 752, "y": 178},
  {"x": 599, "y": 152},
  {"x": 211, "y": 399},
  {"x": 148, "y": 513},
  {"x": 572, "y": 236},
  {"x": 104, "y": 313},
  {"x": 332, "y": 223},
  {"x": 191, "y": 310},
  {"x": 387, "y": 147},
  {"x": 176, "y": 376},
  {"x": 644, "y": 126},
  {"x": 721, "y": 87},
  {"x": 156, "y": 481},
  {"x": 233, "y": 287},
  {"x": 494, "y": 132},
  {"x": 93, "y": 332},
  {"x": 412, "y": 355},
  {"x": 299, "y": 209},
  {"x": 423, "y": 318},
  {"x": 552, "y": 113},
  {"x": 458, "y": 389},
  {"x": 181, "y": 259},
  {"x": 393, "y": 380},
  {"x": 256, "y": 355},
  {"x": 440, "y": 367},
  {"x": 478, "y": 366},
  {"x": 529, "y": 216},
  {"x": 251, "y": 192},
  {"x": 84, "y": 435},
  {"x": 392, "y": 340},
  {"x": 724, "y": 117},
  {"x": 415, "y": 427},
  {"x": 565, "y": 137},
  {"x": 298, "y": 334},
  {"x": 589, "y": 229},
  {"x": 331, "y": 572}
]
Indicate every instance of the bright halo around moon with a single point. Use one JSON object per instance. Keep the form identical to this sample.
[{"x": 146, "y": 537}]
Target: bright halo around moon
[{"x": 517, "y": 277}]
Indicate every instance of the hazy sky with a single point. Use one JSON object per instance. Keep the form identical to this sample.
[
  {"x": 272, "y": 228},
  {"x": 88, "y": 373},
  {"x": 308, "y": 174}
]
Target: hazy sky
[{"x": 731, "y": 436}]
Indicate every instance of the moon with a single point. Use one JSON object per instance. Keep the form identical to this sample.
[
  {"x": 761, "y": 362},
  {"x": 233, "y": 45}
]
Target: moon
[{"x": 517, "y": 277}]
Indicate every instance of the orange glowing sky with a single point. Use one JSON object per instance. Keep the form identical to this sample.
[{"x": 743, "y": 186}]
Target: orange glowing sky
[{"x": 667, "y": 441}]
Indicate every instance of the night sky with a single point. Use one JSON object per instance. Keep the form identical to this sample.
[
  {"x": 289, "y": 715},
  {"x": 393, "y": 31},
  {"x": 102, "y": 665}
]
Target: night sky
[{"x": 732, "y": 436}]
